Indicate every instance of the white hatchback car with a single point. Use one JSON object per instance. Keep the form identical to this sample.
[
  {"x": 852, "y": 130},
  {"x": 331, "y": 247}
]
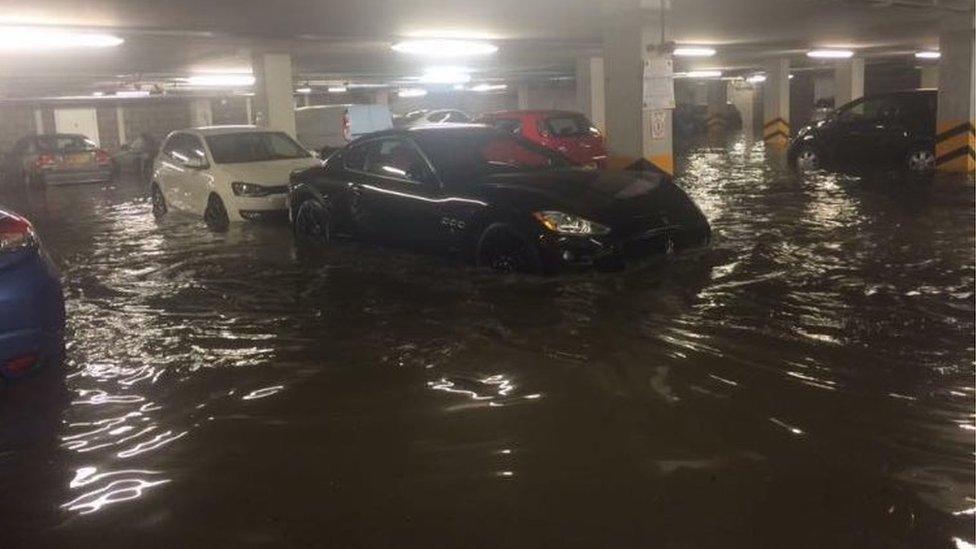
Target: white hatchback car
[{"x": 226, "y": 173}]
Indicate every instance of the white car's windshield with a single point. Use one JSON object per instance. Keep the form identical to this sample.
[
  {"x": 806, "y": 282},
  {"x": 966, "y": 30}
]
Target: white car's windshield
[{"x": 237, "y": 148}]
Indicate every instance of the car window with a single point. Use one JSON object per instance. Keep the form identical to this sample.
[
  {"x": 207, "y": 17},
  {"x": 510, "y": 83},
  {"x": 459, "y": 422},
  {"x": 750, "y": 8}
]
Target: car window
[
  {"x": 355, "y": 157},
  {"x": 871, "y": 108},
  {"x": 184, "y": 147},
  {"x": 437, "y": 117},
  {"x": 397, "y": 158},
  {"x": 572, "y": 125},
  {"x": 457, "y": 117},
  {"x": 64, "y": 143},
  {"x": 508, "y": 125},
  {"x": 238, "y": 148}
]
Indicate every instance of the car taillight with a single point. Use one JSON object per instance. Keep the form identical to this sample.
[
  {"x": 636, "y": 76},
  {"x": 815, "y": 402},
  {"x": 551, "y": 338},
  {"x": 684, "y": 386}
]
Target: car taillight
[
  {"x": 346, "y": 128},
  {"x": 16, "y": 233},
  {"x": 102, "y": 157},
  {"x": 45, "y": 160}
]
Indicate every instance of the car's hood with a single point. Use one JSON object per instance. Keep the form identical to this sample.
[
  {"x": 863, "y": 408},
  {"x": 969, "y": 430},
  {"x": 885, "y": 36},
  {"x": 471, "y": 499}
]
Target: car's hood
[
  {"x": 275, "y": 172},
  {"x": 624, "y": 201}
]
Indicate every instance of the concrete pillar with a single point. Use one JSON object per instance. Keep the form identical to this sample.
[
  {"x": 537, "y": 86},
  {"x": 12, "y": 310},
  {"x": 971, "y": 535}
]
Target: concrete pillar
[
  {"x": 776, "y": 104},
  {"x": 743, "y": 96},
  {"x": 120, "y": 120},
  {"x": 201, "y": 113},
  {"x": 956, "y": 136},
  {"x": 639, "y": 89},
  {"x": 382, "y": 97},
  {"x": 274, "y": 105},
  {"x": 718, "y": 100},
  {"x": 249, "y": 109},
  {"x": 523, "y": 96},
  {"x": 823, "y": 89},
  {"x": 591, "y": 98},
  {"x": 848, "y": 81},
  {"x": 38, "y": 122},
  {"x": 929, "y": 77}
]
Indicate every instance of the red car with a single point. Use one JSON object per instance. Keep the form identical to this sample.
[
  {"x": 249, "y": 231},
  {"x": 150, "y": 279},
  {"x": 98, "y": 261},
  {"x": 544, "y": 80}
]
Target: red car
[{"x": 569, "y": 133}]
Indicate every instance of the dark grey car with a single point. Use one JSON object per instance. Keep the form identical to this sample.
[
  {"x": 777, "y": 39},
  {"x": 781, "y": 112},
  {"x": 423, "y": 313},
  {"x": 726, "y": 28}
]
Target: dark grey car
[{"x": 56, "y": 159}]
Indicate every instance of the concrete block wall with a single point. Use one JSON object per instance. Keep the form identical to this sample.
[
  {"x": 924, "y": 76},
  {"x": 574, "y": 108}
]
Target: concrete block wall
[
  {"x": 108, "y": 128},
  {"x": 229, "y": 111},
  {"x": 157, "y": 117},
  {"x": 471, "y": 103}
]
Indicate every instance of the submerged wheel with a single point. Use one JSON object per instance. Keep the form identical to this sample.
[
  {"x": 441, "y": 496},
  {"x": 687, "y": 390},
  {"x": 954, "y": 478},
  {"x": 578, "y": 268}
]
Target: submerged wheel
[
  {"x": 921, "y": 160},
  {"x": 312, "y": 223},
  {"x": 807, "y": 160},
  {"x": 215, "y": 216},
  {"x": 503, "y": 249},
  {"x": 159, "y": 208}
]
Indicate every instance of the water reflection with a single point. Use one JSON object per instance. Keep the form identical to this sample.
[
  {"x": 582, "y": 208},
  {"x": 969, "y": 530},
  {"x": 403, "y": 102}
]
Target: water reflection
[{"x": 820, "y": 351}]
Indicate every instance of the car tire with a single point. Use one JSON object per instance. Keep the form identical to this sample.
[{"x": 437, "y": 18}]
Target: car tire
[
  {"x": 504, "y": 249},
  {"x": 920, "y": 160},
  {"x": 159, "y": 207},
  {"x": 313, "y": 223},
  {"x": 807, "y": 160},
  {"x": 215, "y": 215}
]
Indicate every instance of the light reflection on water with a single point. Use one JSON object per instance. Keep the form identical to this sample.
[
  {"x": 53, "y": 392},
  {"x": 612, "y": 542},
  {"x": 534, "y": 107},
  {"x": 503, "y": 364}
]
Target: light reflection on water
[{"x": 820, "y": 350}]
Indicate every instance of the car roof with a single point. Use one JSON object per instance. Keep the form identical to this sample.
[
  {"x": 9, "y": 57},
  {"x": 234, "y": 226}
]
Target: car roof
[
  {"x": 427, "y": 129},
  {"x": 207, "y": 131},
  {"x": 535, "y": 112}
]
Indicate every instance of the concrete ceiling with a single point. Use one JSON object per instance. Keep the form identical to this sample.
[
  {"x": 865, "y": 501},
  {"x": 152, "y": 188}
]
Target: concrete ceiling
[{"x": 349, "y": 40}]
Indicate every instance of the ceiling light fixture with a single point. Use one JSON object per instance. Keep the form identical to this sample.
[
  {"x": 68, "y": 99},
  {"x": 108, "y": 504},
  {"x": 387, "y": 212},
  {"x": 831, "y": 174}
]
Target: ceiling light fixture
[
  {"x": 446, "y": 75},
  {"x": 338, "y": 89},
  {"x": 701, "y": 74},
  {"x": 47, "y": 39},
  {"x": 693, "y": 51},
  {"x": 412, "y": 92},
  {"x": 928, "y": 55},
  {"x": 830, "y": 54},
  {"x": 488, "y": 87},
  {"x": 445, "y": 48},
  {"x": 756, "y": 79},
  {"x": 221, "y": 80},
  {"x": 304, "y": 90}
]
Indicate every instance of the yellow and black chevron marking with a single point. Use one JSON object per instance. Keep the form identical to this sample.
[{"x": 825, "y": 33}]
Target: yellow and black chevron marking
[
  {"x": 657, "y": 163},
  {"x": 776, "y": 132},
  {"x": 955, "y": 147}
]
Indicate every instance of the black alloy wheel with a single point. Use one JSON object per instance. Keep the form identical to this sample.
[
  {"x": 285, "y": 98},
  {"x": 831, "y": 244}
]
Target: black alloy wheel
[
  {"x": 215, "y": 216},
  {"x": 312, "y": 223},
  {"x": 159, "y": 208},
  {"x": 503, "y": 249}
]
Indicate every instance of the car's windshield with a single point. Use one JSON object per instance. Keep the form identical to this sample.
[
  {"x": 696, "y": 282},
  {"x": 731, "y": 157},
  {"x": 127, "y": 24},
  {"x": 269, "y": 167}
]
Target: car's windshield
[
  {"x": 64, "y": 143},
  {"x": 236, "y": 148},
  {"x": 485, "y": 152},
  {"x": 570, "y": 125}
]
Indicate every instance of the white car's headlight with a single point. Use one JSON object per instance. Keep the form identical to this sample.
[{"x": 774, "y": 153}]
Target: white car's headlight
[
  {"x": 250, "y": 190},
  {"x": 563, "y": 223}
]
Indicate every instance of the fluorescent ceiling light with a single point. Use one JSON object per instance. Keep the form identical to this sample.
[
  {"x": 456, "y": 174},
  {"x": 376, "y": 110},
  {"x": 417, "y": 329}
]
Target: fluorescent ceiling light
[
  {"x": 412, "y": 92},
  {"x": 221, "y": 80},
  {"x": 446, "y": 75},
  {"x": 830, "y": 54},
  {"x": 927, "y": 55},
  {"x": 132, "y": 93},
  {"x": 702, "y": 74},
  {"x": 694, "y": 51},
  {"x": 756, "y": 78},
  {"x": 445, "y": 48},
  {"x": 305, "y": 90},
  {"x": 488, "y": 87},
  {"x": 47, "y": 39},
  {"x": 98, "y": 94},
  {"x": 338, "y": 89}
]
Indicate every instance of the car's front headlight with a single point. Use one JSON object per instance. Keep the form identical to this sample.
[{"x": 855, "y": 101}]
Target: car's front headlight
[
  {"x": 563, "y": 223},
  {"x": 249, "y": 190}
]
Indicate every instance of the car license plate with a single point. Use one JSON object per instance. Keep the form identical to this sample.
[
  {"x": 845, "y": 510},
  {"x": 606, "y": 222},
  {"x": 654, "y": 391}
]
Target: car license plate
[{"x": 78, "y": 159}]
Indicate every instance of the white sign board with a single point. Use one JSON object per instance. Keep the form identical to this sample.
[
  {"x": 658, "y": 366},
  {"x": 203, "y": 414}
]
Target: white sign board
[{"x": 659, "y": 82}]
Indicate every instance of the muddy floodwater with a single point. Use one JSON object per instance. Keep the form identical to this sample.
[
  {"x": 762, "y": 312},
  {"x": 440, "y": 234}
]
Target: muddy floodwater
[{"x": 806, "y": 381}]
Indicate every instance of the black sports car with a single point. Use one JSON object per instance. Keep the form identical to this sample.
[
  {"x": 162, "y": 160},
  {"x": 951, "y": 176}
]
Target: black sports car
[{"x": 502, "y": 201}]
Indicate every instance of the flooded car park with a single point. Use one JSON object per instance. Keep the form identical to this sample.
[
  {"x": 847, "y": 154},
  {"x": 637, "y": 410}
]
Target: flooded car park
[{"x": 805, "y": 380}]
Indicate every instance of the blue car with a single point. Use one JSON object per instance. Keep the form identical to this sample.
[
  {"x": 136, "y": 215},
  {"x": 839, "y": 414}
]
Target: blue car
[{"x": 31, "y": 301}]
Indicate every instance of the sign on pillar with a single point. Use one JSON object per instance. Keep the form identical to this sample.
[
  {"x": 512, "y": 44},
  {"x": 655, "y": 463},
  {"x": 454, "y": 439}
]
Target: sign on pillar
[{"x": 658, "y": 104}]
